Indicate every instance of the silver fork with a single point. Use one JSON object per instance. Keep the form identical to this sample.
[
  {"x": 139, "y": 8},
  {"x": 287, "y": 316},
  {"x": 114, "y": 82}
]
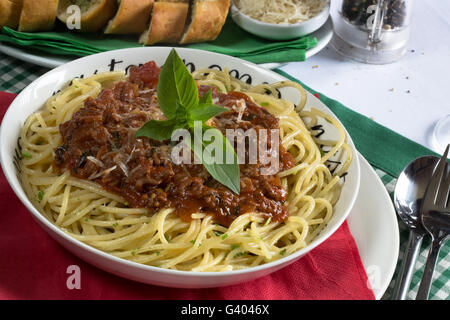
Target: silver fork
[{"x": 436, "y": 220}]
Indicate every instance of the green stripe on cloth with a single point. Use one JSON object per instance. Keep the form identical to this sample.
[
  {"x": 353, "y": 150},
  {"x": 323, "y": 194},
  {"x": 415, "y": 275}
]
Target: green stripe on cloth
[
  {"x": 15, "y": 75},
  {"x": 382, "y": 147}
]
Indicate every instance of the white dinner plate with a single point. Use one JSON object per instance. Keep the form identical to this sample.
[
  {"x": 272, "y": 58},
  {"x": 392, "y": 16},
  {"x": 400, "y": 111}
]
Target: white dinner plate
[
  {"x": 40, "y": 58},
  {"x": 373, "y": 224}
]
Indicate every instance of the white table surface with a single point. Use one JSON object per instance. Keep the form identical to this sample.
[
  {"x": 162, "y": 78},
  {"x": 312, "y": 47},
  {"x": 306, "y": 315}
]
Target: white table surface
[{"x": 381, "y": 91}]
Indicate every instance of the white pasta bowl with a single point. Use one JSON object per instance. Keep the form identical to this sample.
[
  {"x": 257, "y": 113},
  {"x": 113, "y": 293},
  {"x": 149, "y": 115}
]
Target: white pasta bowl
[
  {"x": 275, "y": 31},
  {"x": 33, "y": 98}
]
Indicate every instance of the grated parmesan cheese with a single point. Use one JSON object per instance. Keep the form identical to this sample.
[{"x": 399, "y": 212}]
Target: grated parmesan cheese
[
  {"x": 96, "y": 161},
  {"x": 281, "y": 11},
  {"x": 241, "y": 105}
]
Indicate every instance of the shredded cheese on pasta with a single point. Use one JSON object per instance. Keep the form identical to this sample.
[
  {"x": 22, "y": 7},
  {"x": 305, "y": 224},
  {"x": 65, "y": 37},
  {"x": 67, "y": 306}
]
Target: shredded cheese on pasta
[{"x": 281, "y": 11}]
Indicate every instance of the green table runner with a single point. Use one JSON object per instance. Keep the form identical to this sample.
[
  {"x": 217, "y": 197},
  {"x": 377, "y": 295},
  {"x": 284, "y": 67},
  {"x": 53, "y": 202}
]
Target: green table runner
[
  {"x": 387, "y": 151},
  {"x": 233, "y": 41}
]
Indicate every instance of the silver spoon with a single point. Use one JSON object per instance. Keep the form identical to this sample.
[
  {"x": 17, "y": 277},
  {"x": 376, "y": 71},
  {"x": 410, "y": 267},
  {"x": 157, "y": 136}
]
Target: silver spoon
[{"x": 408, "y": 196}]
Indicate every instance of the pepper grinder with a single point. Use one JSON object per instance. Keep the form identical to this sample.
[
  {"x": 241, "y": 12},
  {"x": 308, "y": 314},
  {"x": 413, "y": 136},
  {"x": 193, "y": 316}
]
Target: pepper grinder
[{"x": 372, "y": 31}]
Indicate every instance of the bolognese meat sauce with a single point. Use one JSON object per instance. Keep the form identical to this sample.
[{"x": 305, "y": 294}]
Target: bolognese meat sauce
[{"x": 99, "y": 144}]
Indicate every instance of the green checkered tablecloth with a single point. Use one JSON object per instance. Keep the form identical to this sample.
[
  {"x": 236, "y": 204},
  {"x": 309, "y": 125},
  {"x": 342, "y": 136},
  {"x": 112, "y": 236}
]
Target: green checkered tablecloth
[
  {"x": 440, "y": 289},
  {"x": 15, "y": 75}
]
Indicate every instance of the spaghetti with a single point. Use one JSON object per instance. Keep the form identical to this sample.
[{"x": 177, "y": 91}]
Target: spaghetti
[{"x": 103, "y": 219}]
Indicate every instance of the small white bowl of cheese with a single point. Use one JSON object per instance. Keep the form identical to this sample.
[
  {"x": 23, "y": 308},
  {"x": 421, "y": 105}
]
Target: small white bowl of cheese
[{"x": 280, "y": 19}]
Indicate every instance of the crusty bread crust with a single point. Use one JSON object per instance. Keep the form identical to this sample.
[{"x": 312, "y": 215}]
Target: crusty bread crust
[
  {"x": 10, "y": 13},
  {"x": 132, "y": 17},
  {"x": 167, "y": 23},
  {"x": 207, "y": 20},
  {"x": 158, "y": 21},
  {"x": 38, "y": 15},
  {"x": 92, "y": 20}
]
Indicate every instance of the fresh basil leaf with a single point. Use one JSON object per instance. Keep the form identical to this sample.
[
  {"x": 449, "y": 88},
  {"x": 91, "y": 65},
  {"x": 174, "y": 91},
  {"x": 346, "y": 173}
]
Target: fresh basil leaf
[
  {"x": 207, "y": 98},
  {"x": 176, "y": 84},
  {"x": 204, "y": 112},
  {"x": 157, "y": 130},
  {"x": 179, "y": 101},
  {"x": 226, "y": 173},
  {"x": 181, "y": 116}
]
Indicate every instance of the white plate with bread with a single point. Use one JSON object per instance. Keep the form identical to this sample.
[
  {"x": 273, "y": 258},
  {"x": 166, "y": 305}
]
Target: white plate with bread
[
  {"x": 153, "y": 21},
  {"x": 156, "y": 21}
]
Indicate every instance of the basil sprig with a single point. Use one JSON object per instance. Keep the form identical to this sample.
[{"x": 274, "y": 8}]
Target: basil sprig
[{"x": 179, "y": 101}]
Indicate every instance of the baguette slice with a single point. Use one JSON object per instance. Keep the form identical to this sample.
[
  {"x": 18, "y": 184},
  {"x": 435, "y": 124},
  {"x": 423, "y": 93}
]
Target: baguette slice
[
  {"x": 167, "y": 22},
  {"x": 95, "y": 14},
  {"x": 132, "y": 17},
  {"x": 10, "y": 13},
  {"x": 206, "y": 21},
  {"x": 38, "y": 15}
]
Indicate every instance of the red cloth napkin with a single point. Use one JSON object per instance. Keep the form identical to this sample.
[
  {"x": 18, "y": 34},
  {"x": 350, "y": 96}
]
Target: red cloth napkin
[{"x": 34, "y": 266}]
